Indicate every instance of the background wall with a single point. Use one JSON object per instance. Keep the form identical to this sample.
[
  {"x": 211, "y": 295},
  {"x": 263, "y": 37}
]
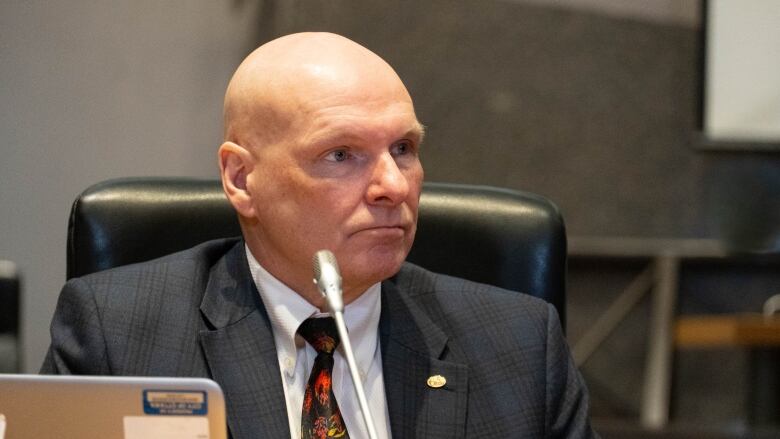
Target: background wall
[{"x": 95, "y": 90}]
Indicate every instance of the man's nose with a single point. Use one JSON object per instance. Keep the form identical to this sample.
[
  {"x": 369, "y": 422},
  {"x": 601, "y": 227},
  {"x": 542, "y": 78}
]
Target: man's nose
[{"x": 389, "y": 184}]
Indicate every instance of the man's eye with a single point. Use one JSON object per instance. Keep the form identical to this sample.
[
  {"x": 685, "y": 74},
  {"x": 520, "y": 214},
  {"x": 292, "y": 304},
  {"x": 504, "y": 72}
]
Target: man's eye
[
  {"x": 401, "y": 148},
  {"x": 339, "y": 155}
]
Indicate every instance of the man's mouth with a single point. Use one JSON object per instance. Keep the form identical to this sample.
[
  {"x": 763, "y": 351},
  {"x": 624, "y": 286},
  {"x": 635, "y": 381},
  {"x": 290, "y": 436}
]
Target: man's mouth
[{"x": 384, "y": 230}]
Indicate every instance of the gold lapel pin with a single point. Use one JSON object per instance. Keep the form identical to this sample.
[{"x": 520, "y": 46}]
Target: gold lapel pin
[{"x": 436, "y": 381}]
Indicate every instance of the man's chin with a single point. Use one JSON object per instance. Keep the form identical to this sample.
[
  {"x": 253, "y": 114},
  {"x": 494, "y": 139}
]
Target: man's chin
[{"x": 371, "y": 270}]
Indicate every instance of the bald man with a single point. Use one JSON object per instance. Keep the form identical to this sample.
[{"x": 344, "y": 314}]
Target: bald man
[{"x": 321, "y": 151}]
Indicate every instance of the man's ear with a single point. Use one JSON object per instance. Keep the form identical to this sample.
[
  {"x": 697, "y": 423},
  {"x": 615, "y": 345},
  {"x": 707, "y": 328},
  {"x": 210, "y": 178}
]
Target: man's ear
[{"x": 235, "y": 164}]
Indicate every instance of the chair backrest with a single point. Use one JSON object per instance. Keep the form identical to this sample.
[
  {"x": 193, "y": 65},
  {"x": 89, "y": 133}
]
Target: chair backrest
[
  {"x": 10, "y": 346},
  {"x": 510, "y": 239}
]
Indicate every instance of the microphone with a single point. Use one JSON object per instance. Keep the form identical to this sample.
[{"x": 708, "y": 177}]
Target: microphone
[{"x": 328, "y": 281}]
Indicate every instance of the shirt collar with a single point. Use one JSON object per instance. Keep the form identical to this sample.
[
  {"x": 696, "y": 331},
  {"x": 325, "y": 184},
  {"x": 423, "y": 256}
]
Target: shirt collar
[{"x": 287, "y": 310}]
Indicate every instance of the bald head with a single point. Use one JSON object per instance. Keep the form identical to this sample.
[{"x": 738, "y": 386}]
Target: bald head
[{"x": 283, "y": 80}]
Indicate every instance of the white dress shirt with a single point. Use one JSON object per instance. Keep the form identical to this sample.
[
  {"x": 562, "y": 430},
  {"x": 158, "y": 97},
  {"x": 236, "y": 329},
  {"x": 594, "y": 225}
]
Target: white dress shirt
[{"x": 287, "y": 310}]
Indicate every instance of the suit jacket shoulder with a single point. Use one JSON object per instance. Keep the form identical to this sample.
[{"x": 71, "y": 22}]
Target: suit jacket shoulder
[
  {"x": 466, "y": 306},
  {"x": 520, "y": 380},
  {"x": 127, "y": 320}
]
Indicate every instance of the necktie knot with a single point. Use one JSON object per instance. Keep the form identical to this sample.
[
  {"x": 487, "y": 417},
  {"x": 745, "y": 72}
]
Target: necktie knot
[{"x": 321, "y": 334}]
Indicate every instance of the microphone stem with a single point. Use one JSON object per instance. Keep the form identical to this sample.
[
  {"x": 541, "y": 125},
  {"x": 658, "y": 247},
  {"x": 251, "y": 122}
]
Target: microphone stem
[{"x": 353, "y": 370}]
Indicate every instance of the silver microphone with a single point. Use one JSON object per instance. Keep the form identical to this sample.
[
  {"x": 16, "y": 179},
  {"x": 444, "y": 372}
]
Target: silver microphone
[{"x": 328, "y": 280}]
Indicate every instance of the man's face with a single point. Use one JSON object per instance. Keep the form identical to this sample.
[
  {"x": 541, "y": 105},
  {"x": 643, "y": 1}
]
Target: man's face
[{"x": 345, "y": 177}]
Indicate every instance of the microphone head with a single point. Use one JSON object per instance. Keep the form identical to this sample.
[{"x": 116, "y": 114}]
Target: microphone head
[
  {"x": 328, "y": 279},
  {"x": 323, "y": 258}
]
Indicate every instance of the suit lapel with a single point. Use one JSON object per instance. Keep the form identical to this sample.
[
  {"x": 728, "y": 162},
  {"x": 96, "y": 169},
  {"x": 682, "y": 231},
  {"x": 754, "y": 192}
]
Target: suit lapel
[
  {"x": 413, "y": 348},
  {"x": 240, "y": 351}
]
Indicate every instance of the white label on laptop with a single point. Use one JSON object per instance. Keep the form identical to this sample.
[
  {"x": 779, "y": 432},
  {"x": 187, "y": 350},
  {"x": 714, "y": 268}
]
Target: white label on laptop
[
  {"x": 2, "y": 426},
  {"x": 169, "y": 427},
  {"x": 175, "y": 402}
]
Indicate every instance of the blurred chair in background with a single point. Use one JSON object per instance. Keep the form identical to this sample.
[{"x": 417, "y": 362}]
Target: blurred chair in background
[{"x": 10, "y": 357}]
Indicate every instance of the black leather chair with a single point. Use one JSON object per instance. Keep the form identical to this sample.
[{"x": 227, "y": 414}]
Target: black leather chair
[
  {"x": 10, "y": 346},
  {"x": 506, "y": 238}
]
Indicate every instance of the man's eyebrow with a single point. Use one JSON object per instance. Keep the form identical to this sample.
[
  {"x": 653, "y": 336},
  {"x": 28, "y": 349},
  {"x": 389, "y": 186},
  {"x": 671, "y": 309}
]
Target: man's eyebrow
[{"x": 419, "y": 131}]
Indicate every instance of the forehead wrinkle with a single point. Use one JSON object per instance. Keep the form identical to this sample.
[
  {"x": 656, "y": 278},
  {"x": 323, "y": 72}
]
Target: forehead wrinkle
[{"x": 348, "y": 128}]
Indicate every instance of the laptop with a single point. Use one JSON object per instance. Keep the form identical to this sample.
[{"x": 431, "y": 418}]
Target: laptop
[{"x": 84, "y": 407}]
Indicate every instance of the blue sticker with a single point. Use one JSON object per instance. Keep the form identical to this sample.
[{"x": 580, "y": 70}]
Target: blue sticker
[{"x": 175, "y": 402}]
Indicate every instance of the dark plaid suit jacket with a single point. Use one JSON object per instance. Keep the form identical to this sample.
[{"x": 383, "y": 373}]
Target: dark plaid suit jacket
[{"x": 198, "y": 313}]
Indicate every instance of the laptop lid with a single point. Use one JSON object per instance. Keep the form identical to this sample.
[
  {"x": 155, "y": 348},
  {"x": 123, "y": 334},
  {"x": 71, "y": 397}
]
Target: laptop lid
[{"x": 66, "y": 406}]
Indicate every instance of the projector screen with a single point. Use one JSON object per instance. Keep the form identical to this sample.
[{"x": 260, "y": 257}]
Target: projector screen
[{"x": 742, "y": 71}]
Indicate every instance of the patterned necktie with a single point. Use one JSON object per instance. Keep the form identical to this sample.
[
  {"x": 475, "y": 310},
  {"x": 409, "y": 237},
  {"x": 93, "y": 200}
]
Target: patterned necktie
[{"x": 321, "y": 417}]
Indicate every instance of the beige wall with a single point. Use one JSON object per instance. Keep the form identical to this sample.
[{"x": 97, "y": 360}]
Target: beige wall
[{"x": 96, "y": 90}]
